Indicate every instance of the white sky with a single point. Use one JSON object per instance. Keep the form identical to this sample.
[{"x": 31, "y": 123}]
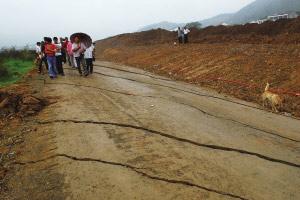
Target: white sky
[{"x": 26, "y": 21}]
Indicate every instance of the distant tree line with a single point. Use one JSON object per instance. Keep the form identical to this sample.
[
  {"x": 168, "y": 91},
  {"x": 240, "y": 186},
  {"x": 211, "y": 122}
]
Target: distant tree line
[{"x": 12, "y": 53}]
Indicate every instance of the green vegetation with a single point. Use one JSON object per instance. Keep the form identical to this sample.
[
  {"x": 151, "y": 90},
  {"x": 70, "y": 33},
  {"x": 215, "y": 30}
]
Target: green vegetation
[
  {"x": 196, "y": 25},
  {"x": 14, "y": 64}
]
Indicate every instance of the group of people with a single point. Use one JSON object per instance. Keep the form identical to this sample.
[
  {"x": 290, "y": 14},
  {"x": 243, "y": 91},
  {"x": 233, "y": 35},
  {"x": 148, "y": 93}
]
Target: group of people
[
  {"x": 183, "y": 35},
  {"x": 53, "y": 53}
]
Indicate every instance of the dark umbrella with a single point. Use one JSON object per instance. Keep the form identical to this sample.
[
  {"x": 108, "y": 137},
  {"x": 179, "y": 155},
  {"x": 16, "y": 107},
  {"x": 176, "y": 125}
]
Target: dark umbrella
[{"x": 84, "y": 38}]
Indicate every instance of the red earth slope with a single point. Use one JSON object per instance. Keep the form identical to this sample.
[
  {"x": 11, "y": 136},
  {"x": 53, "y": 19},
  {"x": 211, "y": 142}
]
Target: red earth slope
[{"x": 237, "y": 60}]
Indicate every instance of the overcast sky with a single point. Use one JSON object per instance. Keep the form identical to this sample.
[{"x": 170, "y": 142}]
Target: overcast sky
[{"x": 26, "y": 21}]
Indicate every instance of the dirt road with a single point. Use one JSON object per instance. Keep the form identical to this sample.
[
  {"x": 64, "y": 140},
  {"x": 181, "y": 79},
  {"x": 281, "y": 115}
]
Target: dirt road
[{"x": 123, "y": 133}]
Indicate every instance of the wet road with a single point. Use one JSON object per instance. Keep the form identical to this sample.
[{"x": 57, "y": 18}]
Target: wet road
[{"x": 124, "y": 133}]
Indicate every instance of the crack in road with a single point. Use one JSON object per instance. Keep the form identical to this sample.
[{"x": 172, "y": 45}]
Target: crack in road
[
  {"x": 191, "y": 106},
  {"x": 241, "y": 123},
  {"x": 214, "y": 147},
  {"x": 136, "y": 170}
]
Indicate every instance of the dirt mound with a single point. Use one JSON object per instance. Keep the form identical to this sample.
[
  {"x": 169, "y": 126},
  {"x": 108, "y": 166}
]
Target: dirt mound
[
  {"x": 268, "y": 28},
  {"x": 136, "y": 39},
  {"x": 285, "y": 31},
  {"x": 19, "y": 104}
]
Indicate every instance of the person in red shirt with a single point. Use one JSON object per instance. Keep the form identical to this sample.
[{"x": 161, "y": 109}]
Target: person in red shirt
[
  {"x": 50, "y": 50},
  {"x": 64, "y": 43}
]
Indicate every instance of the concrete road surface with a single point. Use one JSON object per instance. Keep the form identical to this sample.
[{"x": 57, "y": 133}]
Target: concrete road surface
[{"x": 123, "y": 133}]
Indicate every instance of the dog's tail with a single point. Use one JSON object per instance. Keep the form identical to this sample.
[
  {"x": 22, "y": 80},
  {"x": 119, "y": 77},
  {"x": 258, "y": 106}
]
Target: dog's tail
[{"x": 267, "y": 87}]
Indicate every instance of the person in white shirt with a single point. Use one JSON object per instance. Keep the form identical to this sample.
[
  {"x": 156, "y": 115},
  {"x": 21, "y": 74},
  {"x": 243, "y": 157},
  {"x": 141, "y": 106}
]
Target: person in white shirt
[
  {"x": 88, "y": 56},
  {"x": 186, "y": 32},
  {"x": 78, "y": 49},
  {"x": 58, "y": 56},
  {"x": 38, "y": 49},
  {"x": 38, "y": 59}
]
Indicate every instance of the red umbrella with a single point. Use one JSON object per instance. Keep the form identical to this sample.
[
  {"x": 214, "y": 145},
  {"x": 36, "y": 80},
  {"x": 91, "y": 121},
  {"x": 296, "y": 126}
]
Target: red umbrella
[{"x": 83, "y": 37}]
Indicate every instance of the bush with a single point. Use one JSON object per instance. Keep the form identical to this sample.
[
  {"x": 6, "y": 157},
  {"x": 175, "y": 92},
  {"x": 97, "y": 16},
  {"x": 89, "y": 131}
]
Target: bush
[
  {"x": 14, "y": 63},
  {"x": 3, "y": 71},
  {"x": 23, "y": 54}
]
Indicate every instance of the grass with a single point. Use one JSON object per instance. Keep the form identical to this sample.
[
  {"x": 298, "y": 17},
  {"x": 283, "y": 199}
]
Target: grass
[
  {"x": 12, "y": 70},
  {"x": 14, "y": 64}
]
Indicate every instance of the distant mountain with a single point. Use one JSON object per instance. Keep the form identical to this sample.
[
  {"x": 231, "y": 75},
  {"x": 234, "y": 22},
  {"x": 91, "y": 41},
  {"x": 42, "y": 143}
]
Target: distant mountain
[
  {"x": 258, "y": 9},
  {"x": 163, "y": 25},
  {"x": 217, "y": 20}
]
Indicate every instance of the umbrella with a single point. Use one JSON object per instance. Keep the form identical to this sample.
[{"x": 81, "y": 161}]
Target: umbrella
[{"x": 83, "y": 37}]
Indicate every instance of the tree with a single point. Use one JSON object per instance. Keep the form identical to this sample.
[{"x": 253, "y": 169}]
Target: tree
[{"x": 196, "y": 25}]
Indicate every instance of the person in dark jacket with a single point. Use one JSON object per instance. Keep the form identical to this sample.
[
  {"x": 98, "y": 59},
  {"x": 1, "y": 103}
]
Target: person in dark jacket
[{"x": 179, "y": 33}]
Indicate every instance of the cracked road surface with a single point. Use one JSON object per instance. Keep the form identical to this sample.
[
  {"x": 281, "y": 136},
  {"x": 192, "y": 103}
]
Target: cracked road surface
[{"x": 124, "y": 133}]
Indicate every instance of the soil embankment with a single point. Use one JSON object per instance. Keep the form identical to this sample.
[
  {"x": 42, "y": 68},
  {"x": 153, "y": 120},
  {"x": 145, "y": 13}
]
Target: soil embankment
[{"x": 237, "y": 60}]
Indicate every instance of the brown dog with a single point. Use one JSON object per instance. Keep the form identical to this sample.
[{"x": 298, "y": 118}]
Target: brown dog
[{"x": 273, "y": 99}]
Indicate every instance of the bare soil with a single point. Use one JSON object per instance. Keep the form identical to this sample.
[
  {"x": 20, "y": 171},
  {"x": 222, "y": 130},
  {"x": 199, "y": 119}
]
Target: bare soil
[
  {"x": 236, "y": 60},
  {"x": 124, "y": 133}
]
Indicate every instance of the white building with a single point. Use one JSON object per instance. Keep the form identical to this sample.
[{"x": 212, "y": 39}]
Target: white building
[
  {"x": 274, "y": 18},
  {"x": 260, "y": 21},
  {"x": 278, "y": 17}
]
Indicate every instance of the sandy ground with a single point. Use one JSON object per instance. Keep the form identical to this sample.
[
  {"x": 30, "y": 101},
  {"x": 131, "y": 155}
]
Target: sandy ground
[{"x": 124, "y": 133}]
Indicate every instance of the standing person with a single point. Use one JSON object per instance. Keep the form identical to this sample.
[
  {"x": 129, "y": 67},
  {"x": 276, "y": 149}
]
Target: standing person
[
  {"x": 182, "y": 35},
  {"x": 94, "y": 51},
  {"x": 186, "y": 32},
  {"x": 58, "y": 56},
  {"x": 44, "y": 57},
  {"x": 179, "y": 35},
  {"x": 88, "y": 56},
  {"x": 50, "y": 50},
  {"x": 67, "y": 50},
  {"x": 78, "y": 50},
  {"x": 64, "y": 44},
  {"x": 38, "y": 60},
  {"x": 71, "y": 58}
]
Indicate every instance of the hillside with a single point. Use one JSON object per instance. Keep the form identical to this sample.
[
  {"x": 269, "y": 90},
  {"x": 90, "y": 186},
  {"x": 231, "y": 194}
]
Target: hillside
[
  {"x": 217, "y": 20},
  {"x": 282, "y": 31},
  {"x": 259, "y": 9},
  {"x": 237, "y": 60},
  {"x": 262, "y": 8}
]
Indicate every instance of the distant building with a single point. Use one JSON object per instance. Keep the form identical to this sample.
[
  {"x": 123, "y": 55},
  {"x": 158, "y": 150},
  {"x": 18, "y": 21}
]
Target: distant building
[
  {"x": 274, "y": 18},
  {"x": 277, "y": 17},
  {"x": 260, "y": 21}
]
